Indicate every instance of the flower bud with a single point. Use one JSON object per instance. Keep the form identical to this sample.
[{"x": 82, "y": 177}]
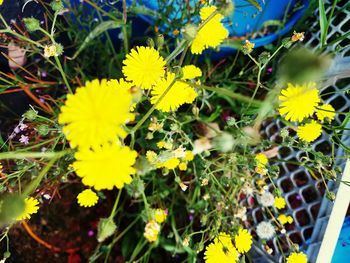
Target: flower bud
[
  {"x": 264, "y": 57},
  {"x": 43, "y": 129},
  {"x": 31, "y": 23},
  {"x": 190, "y": 31},
  {"x": 330, "y": 196},
  {"x": 224, "y": 142},
  {"x": 160, "y": 41},
  {"x": 150, "y": 42},
  {"x": 287, "y": 42},
  {"x": 30, "y": 115},
  {"x": 57, "y": 5},
  {"x": 106, "y": 228}
]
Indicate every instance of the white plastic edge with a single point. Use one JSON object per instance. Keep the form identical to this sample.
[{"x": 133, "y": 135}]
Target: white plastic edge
[{"x": 336, "y": 219}]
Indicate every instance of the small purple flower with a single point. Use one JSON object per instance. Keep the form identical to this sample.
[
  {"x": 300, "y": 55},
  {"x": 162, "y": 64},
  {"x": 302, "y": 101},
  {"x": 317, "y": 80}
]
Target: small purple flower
[
  {"x": 24, "y": 139},
  {"x": 91, "y": 233}
]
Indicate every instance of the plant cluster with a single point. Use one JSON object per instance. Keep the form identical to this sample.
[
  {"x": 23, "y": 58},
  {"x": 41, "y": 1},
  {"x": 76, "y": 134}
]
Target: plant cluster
[{"x": 175, "y": 141}]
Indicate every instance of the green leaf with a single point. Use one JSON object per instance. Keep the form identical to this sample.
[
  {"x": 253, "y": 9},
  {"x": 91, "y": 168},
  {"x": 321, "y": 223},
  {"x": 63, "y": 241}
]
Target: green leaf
[
  {"x": 273, "y": 23},
  {"x": 255, "y": 4},
  {"x": 323, "y": 22},
  {"x": 98, "y": 30}
]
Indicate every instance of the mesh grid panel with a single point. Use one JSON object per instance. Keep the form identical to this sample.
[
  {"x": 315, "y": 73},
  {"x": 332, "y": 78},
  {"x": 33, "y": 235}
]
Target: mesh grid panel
[{"x": 303, "y": 193}]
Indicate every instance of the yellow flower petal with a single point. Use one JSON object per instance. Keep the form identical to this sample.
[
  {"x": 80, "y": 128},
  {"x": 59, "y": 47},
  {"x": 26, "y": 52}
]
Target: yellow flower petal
[
  {"x": 144, "y": 66},
  {"x": 96, "y": 113},
  {"x": 87, "y": 198},
  {"x": 30, "y": 208},
  {"x": 106, "y": 166},
  {"x": 243, "y": 240},
  {"x": 310, "y": 131},
  {"x": 298, "y": 102},
  {"x": 296, "y": 257},
  {"x": 325, "y": 111},
  {"x": 211, "y": 34},
  {"x": 179, "y": 94},
  {"x": 221, "y": 250},
  {"x": 191, "y": 72}
]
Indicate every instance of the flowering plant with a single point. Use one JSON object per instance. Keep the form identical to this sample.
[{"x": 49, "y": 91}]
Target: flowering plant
[{"x": 161, "y": 150}]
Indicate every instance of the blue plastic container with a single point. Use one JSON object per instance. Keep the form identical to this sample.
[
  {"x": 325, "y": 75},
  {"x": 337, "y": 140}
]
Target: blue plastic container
[
  {"x": 245, "y": 20},
  {"x": 342, "y": 250}
]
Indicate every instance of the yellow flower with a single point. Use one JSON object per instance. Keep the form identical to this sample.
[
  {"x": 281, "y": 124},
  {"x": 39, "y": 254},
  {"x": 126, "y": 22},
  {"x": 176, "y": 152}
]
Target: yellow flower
[
  {"x": 155, "y": 126},
  {"x": 189, "y": 156},
  {"x": 261, "y": 159},
  {"x": 298, "y": 36},
  {"x": 171, "y": 163},
  {"x": 1, "y": 168},
  {"x": 298, "y": 102},
  {"x": 248, "y": 46},
  {"x": 144, "y": 67},
  {"x": 106, "y": 166},
  {"x": 186, "y": 242},
  {"x": 160, "y": 215},
  {"x": 204, "y": 182},
  {"x": 151, "y": 156},
  {"x": 280, "y": 203},
  {"x": 325, "y": 111},
  {"x": 179, "y": 93},
  {"x": 191, "y": 72},
  {"x": 261, "y": 170},
  {"x": 165, "y": 145},
  {"x": 221, "y": 250},
  {"x": 96, "y": 113},
  {"x": 211, "y": 33},
  {"x": 310, "y": 131},
  {"x": 87, "y": 198},
  {"x": 285, "y": 219},
  {"x": 296, "y": 257},
  {"x": 183, "y": 166},
  {"x": 50, "y": 51},
  {"x": 243, "y": 241},
  {"x": 30, "y": 207},
  {"x": 1, "y": 1},
  {"x": 152, "y": 230}
]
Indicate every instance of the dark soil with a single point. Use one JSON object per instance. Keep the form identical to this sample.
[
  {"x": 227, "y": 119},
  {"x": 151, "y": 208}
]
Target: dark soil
[{"x": 61, "y": 223}]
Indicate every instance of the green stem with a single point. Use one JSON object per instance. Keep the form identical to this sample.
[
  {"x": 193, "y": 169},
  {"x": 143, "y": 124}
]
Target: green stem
[
  {"x": 63, "y": 74},
  {"x": 124, "y": 28},
  {"x": 137, "y": 250},
  {"x": 176, "y": 51},
  {"x": 53, "y": 24},
  {"x": 228, "y": 93},
  {"x": 116, "y": 239},
  {"x": 34, "y": 184},
  {"x": 95, "y": 6},
  {"x": 113, "y": 213},
  {"x": 24, "y": 155},
  {"x": 150, "y": 111}
]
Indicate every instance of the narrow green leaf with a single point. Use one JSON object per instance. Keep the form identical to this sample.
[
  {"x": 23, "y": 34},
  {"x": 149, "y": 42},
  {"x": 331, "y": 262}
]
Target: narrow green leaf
[
  {"x": 273, "y": 23},
  {"x": 255, "y": 4},
  {"x": 323, "y": 22},
  {"x": 98, "y": 30}
]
